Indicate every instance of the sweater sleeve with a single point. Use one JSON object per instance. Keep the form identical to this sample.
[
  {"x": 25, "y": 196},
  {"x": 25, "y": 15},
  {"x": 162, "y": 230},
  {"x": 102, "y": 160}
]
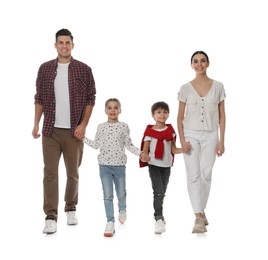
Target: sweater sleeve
[
  {"x": 93, "y": 143},
  {"x": 128, "y": 143}
]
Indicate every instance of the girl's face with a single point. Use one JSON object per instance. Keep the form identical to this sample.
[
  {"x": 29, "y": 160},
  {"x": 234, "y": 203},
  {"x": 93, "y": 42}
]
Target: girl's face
[
  {"x": 200, "y": 64},
  {"x": 112, "y": 110},
  {"x": 160, "y": 115}
]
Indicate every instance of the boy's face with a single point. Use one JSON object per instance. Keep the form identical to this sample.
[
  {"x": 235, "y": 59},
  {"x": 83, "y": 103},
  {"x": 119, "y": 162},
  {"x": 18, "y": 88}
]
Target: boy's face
[
  {"x": 112, "y": 110},
  {"x": 160, "y": 115}
]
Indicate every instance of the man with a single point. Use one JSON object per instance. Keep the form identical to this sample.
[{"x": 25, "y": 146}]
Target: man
[{"x": 65, "y": 95}]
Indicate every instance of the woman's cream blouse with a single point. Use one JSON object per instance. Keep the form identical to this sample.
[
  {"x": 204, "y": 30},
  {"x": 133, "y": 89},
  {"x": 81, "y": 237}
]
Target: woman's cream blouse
[{"x": 202, "y": 113}]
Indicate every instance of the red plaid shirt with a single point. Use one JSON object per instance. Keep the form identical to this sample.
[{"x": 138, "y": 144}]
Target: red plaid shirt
[{"x": 81, "y": 88}]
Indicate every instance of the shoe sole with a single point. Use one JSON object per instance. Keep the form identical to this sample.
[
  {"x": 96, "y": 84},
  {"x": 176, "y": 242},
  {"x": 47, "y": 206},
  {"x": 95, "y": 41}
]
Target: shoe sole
[
  {"x": 49, "y": 232},
  {"x": 199, "y": 231},
  {"x": 108, "y": 234},
  {"x": 72, "y": 223},
  {"x": 160, "y": 231}
]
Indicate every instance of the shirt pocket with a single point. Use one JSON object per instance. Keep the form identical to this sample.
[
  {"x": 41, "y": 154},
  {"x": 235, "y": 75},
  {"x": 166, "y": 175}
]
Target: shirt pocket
[
  {"x": 81, "y": 85},
  {"x": 191, "y": 105},
  {"x": 212, "y": 104}
]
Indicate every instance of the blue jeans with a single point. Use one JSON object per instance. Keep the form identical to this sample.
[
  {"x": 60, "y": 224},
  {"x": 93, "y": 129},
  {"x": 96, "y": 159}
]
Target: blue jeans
[{"x": 113, "y": 176}]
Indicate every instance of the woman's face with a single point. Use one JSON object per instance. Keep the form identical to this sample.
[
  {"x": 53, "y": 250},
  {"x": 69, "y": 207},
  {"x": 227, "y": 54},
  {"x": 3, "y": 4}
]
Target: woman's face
[{"x": 200, "y": 64}]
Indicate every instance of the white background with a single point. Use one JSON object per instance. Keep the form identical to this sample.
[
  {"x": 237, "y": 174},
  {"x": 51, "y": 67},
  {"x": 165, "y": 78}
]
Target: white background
[{"x": 139, "y": 52}]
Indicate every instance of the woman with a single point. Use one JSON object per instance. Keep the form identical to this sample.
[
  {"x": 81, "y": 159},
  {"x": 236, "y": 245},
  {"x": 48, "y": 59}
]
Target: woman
[{"x": 201, "y": 127}]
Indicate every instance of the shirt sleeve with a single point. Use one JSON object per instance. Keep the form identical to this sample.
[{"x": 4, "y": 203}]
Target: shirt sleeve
[
  {"x": 128, "y": 143},
  {"x": 93, "y": 143},
  {"x": 38, "y": 96},
  {"x": 222, "y": 93},
  {"x": 91, "y": 94},
  {"x": 147, "y": 138},
  {"x": 182, "y": 95}
]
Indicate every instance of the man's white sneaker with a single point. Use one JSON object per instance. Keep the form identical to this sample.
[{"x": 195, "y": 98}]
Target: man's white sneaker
[
  {"x": 160, "y": 226},
  {"x": 109, "y": 229},
  {"x": 71, "y": 218},
  {"x": 122, "y": 216},
  {"x": 50, "y": 226}
]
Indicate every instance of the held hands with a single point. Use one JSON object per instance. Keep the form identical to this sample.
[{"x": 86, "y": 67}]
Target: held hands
[
  {"x": 180, "y": 150},
  {"x": 186, "y": 147},
  {"x": 145, "y": 157},
  {"x": 79, "y": 132}
]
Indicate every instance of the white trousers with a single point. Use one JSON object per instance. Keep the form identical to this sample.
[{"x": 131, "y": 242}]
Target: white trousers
[{"x": 199, "y": 163}]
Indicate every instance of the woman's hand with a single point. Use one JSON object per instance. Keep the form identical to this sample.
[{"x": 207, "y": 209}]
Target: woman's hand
[
  {"x": 220, "y": 149},
  {"x": 186, "y": 146}
]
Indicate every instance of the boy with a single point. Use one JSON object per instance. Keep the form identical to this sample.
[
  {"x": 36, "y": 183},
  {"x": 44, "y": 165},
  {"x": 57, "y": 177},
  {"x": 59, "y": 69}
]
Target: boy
[{"x": 159, "y": 143}]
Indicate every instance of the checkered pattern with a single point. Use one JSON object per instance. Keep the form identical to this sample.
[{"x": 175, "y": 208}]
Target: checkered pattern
[{"x": 82, "y": 92}]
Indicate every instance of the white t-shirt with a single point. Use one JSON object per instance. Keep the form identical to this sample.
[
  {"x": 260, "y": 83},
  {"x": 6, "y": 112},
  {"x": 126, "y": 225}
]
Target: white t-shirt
[
  {"x": 202, "y": 113},
  {"x": 61, "y": 89},
  {"x": 167, "y": 159}
]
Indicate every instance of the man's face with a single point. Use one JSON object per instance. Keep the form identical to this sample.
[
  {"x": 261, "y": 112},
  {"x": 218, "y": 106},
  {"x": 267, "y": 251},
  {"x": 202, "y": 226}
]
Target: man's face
[{"x": 64, "y": 46}]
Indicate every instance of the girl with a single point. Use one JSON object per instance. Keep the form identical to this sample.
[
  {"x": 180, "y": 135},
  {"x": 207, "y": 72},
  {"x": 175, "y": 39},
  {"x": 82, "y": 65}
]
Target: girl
[{"x": 112, "y": 138}]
